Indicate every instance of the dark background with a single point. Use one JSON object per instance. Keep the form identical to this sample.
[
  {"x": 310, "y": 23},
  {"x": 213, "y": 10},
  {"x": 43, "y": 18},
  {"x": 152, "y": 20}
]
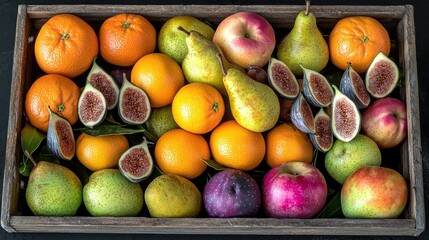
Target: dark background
[{"x": 8, "y": 10}]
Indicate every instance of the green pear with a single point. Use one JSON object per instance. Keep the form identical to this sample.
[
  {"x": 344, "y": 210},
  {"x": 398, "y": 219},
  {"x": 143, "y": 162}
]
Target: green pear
[
  {"x": 201, "y": 64},
  {"x": 160, "y": 121},
  {"x": 173, "y": 43},
  {"x": 254, "y": 105},
  {"x": 109, "y": 193},
  {"x": 53, "y": 190},
  {"x": 172, "y": 196},
  {"x": 304, "y": 44}
]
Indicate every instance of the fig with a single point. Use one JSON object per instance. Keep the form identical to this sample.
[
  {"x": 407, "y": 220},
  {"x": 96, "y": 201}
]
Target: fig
[
  {"x": 323, "y": 138},
  {"x": 302, "y": 115},
  {"x": 136, "y": 164},
  {"x": 92, "y": 106},
  {"x": 345, "y": 117},
  {"x": 281, "y": 79},
  {"x": 257, "y": 74},
  {"x": 60, "y": 139},
  {"x": 105, "y": 83},
  {"x": 353, "y": 86},
  {"x": 134, "y": 106},
  {"x": 382, "y": 76},
  {"x": 316, "y": 88}
]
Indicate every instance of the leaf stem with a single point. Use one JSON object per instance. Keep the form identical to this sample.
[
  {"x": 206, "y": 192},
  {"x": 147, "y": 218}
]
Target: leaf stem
[{"x": 26, "y": 153}]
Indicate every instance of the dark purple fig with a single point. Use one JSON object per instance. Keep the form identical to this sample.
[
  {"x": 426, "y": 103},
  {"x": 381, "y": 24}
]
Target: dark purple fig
[
  {"x": 382, "y": 76},
  {"x": 102, "y": 81},
  {"x": 302, "y": 115},
  {"x": 60, "y": 139},
  {"x": 257, "y": 74},
  {"x": 353, "y": 87},
  {"x": 134, "y": 106},
  {"x": 345, "y": 117},
  {"x": 92, "y": 106},
  {"x": 282, "y": 80},
  {"x": 136, "y": 164},
  {"x": 316, "y": 88},
  {"x": 322, "y": 139}
]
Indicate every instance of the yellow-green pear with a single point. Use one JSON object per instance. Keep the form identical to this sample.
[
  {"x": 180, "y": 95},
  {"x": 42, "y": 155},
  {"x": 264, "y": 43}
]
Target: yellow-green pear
[
  {"x": 254, "y": 105},
  {"x": 304, "y": 45}
]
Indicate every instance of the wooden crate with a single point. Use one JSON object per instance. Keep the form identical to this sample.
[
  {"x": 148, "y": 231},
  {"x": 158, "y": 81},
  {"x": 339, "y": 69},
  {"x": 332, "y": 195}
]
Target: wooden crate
[{"x": 399, "y": 20}]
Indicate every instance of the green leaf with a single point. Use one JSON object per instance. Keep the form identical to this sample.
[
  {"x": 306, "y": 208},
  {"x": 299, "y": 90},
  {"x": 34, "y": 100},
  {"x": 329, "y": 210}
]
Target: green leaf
[
  {"x": 333, "y": 208},
  {"x": 213, "y": 164},
  {"x": 31, "y": 138},
  {"x": 114, "y": 129}
]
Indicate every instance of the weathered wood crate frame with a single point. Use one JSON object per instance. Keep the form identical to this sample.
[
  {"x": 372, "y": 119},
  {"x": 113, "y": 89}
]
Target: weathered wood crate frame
[{"x": 399, "y": 18}]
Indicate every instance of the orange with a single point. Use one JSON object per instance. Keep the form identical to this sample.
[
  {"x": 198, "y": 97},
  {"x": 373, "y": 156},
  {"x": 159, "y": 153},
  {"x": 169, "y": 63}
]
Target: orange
[
  {"x": 237, "y": 147},
  {"x": 66, "y": 45},
  {"x": 159, "y": 76},
  {"x": 125, "y": 38},
  {"x": 59, "y": 93},
  {"x": 198, "y": 108},
  {"x": 357, "y": 40},
  {"x": 181, "y": 152},
  {"x": 286, "y": 143},
  {"x": 100, "y": 152}
]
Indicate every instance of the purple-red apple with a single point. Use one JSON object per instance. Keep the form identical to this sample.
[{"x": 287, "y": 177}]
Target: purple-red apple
[
  {"x": 231, "y": 193},
  {"x": 293, "y": 190},
  {"x": 374, "y": 192},
  {"x": 245, "y": 39},
  {"x": 385, "y": 121}
]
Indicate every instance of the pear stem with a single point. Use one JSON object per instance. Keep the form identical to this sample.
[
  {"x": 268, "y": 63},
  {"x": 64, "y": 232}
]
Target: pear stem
[
  {"x": 219, "y": 57},
  {"x": 183, "y": 30},
  {"x": 26, "y": 153},
  {"x": 307, "y": 7}
]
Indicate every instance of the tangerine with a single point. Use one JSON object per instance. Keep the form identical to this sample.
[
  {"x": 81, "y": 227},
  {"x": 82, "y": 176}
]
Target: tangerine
[
  {"x": 66, "y": 45},
  {"x": 125, "y": 38}
]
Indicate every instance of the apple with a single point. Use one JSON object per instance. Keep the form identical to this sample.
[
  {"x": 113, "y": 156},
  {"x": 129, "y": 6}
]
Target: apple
[
  {"x": 231, "y": 193},
  {"x": 293, "y": 190},
  {"x": 385, "y": 121},
  {"x": 374, "y": 192},
  {"x": 245, "y": 39}
]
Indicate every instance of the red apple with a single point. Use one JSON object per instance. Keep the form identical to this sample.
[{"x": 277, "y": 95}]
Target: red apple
[
  {"x": 385, "y": 121},
  {"x": 245, "y": 39},
  {"x": 374, "y": 192},
  {"x": 293, "y": 190}
]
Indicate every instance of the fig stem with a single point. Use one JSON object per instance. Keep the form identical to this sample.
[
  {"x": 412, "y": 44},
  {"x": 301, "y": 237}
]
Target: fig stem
[
  {"x": 307, "y": 7},
  {"x": 183, "y": 30},
  {"x": 26, "y": 153},
  {"x": 219, "y": 57}
]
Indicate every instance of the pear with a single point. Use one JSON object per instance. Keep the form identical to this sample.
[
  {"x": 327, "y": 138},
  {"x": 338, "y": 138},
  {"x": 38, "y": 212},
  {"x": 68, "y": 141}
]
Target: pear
[
  {"x": 304, "y": 45},
  {"x": 200, "y": 64},
  {"x": 53, "y": 190},
  {"x": 254, "y": 105}
]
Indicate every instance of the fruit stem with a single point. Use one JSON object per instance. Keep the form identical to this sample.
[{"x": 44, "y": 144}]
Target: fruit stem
[
  {"x": 183, "y": 30},
  {"x": 307, "y": 7},
  {"x": 219, "y": 57},
  {"x": 26, "y": 153}
]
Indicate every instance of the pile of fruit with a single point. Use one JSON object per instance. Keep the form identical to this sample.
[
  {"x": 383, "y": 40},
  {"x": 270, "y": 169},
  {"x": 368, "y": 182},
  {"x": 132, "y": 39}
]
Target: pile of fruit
[{"x": 194, "y": 120}]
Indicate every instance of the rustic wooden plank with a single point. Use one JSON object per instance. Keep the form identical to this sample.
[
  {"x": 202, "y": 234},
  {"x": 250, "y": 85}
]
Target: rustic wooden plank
[
  {"x": 11, "y": 180},
  {"x": 215, "y": 225}
]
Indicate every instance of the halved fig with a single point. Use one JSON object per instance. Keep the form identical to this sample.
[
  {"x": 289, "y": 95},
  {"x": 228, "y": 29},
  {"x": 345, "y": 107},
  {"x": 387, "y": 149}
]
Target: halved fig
[
  {"x": 382, "y": 76},
  {"x": 60, "y": 139},
  {"x": 282, "y": 80},
  {"x": 92, "y": 106},
  {"x": 257, "y": 74},
  {"x": 345, "y": 117},
  {"x": 353, "y": 86},
  {"x": 134, "y": 106},
  {"x": 322, "y": 139},
  {"x": 302, "y": 115},
  {"x": 316, "y": 88},
  {"x": 105, "y": 83},
  {"x": 136, "y": 164}
]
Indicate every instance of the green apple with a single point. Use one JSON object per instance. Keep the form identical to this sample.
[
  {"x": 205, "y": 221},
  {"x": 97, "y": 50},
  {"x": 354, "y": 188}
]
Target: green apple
[
  {"x": 173, "y": 196},
  {"x": 346, "y": 157},
  {"x": 374, "y": 192},
  {"x": 109, "y": 193},
  {"x": 172, "y": 41}
]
